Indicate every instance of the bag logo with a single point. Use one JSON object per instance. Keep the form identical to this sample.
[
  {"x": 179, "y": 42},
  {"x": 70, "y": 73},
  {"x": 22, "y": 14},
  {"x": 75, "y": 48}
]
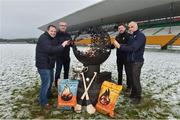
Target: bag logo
[
  {"x": 104, "y": 99},
  {"x": 66, "y": 94}
]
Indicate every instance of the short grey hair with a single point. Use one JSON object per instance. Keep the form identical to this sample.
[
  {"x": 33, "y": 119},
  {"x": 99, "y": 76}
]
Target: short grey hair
[{"x": 134, "y": 24}]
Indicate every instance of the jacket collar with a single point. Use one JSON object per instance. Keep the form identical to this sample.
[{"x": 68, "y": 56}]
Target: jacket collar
[
  {"x": 136, "y": 32},
  {"x": 123, "y": 34}
]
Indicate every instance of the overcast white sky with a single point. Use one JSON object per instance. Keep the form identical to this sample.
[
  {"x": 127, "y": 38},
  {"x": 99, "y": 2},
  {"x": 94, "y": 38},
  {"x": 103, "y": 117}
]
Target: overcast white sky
[{"x": 21, "y": 18}]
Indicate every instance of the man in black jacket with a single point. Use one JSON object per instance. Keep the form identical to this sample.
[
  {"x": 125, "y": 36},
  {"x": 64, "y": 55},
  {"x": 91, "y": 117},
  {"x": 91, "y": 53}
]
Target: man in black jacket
[
  {"x": 122, "y": 38},
  {"x": 45, "y": 60},
  {"x": 135, "y": 49},
  {"x": 62, "y": 59}
]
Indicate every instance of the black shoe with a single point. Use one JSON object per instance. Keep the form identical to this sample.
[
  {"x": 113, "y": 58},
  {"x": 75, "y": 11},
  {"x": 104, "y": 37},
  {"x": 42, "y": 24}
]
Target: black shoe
[
  {"x": 132, "y": 96},
  {"x": 128, "y": 90},
  {"x": 136, "y": 101}
]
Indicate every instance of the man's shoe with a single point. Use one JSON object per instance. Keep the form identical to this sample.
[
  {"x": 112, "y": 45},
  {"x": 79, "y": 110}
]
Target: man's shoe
[
  {"x": 136, "y": 101},
  {"x": 132, "y": 96},
  {"x": 128, "y": 90},
  {"x": 47, "y": 107}
]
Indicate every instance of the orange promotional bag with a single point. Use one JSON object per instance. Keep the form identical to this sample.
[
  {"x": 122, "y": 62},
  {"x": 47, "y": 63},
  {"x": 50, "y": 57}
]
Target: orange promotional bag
[
  {"x": 108, "y": 97},
  {"x": 67, "y": 93}
]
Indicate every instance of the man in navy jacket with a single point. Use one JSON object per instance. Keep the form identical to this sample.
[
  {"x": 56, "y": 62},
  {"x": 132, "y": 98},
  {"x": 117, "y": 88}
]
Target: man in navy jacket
[
  {"x": 135, "y": 52},
  {"x": 45, "y": 60}
]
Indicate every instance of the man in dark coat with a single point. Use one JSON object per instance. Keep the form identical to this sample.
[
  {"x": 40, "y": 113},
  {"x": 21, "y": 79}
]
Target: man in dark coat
[
  {"x": 122, "y": 38},
  {"x": 62, "y": 60},
  {"x": 45, "y": 61}
]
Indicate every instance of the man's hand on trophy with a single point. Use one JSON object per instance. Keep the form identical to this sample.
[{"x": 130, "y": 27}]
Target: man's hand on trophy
[{"x": 116, "y": 44}]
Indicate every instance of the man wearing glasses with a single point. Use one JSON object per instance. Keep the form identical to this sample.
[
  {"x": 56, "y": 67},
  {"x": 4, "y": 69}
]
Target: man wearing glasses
[
  {"x": 64, "y": 58},
  {"x": 135, "y": 49}
]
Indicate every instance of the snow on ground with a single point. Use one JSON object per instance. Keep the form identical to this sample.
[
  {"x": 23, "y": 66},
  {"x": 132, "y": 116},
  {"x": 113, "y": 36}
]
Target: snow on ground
[
  {"x": 160, "y": 75},
  {"x": 17, "y": 72}
]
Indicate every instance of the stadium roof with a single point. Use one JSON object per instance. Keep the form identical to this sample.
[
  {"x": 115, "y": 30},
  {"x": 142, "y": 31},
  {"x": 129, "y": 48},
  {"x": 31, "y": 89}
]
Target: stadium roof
[{"x": 115, "y": 11}]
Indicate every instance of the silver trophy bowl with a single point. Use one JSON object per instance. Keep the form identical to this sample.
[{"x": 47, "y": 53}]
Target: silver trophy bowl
[{"x": 77, "y": 70}]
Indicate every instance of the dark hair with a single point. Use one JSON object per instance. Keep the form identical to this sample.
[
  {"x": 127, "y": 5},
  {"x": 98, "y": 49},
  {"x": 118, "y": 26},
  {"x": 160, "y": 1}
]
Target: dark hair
[
  {"x": 121, "y": 24},
  {"x": 51, "y": 26}
]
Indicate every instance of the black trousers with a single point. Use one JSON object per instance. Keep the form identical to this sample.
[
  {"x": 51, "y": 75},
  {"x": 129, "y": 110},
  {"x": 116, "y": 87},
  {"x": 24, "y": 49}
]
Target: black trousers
[
  {"x": 128, "y": 69},
  {"x": 65, "y": 63},
  {"x": 135, "y": 73},
  {"x": 120, "y": 63}
]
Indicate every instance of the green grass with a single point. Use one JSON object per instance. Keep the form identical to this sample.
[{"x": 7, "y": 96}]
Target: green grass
[{"x": 28, "y": 107}]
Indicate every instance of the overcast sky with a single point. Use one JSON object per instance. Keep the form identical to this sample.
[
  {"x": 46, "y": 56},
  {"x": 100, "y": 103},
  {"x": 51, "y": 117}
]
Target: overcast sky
[{"x": 21, "y": 18}]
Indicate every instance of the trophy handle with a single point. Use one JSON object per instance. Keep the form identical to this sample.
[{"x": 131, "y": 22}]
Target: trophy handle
[{"x": 85, "y": 69}]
